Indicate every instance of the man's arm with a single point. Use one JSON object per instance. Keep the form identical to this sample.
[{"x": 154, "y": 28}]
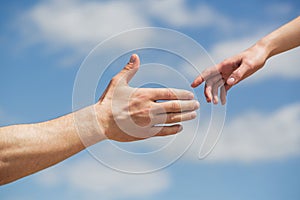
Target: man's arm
[
  {"x": 122, "y": 114},
  {"x": 28, "y": 148}
]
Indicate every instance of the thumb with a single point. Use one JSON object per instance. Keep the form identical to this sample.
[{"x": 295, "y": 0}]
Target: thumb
[
  {"x": 126, "y": 74},
  {"x": 237, "y": 75}
]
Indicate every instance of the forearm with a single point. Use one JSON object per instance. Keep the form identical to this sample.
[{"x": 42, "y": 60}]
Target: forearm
[
  {"x": 26, "y": 149},
  {"x": 283, "y": 39}
]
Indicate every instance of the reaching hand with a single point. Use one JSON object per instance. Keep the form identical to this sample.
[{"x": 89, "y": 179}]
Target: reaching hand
[
  {"x": 129, "y": 114},
  {"x": 230, "y": 72}
]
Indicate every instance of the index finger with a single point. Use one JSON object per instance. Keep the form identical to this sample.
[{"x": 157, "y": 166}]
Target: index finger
[
  {"x": 204, "y": 75},
  {"x": 168, "y": 94}
]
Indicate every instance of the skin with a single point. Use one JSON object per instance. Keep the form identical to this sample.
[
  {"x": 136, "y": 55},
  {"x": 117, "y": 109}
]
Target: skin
[
  {"x": 231, "y": 71},
  {"x": 29, "y": 148}
]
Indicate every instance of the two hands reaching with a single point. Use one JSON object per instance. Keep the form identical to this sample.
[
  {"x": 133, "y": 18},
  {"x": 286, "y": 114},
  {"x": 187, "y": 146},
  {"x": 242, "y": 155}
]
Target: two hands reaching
[{"x": 127, "y": 114}]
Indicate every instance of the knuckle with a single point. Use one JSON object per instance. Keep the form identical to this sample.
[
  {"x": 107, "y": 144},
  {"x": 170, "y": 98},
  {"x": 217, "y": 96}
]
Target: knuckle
[
  {"x": 208, "y": 82},
  {"x": 145, "y": 111},
  {"x": 170, "y": 118},
  {"x": 140, "y": 96},
  {"x": 249, "y": 63},
  {"x": 238, "y": 74},
  {"x": 208, "y": 90},
  {"x": 115, "y": 80},
  {"x": 228, "y": 62},
  {"x": 169, "y": 94},
  {"x": 173, "y": 118},
  {"x": 175, "y": 106},
  {"x": 143, "y": 97},
  {"x": 134, "y": 103}
]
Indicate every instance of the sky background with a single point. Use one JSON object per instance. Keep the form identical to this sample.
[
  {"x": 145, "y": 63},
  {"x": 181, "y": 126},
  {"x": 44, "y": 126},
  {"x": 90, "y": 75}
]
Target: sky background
[{"x": 43, "y": 44}]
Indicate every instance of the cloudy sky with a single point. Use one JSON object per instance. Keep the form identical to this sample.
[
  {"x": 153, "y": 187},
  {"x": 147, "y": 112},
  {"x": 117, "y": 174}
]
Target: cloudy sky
[{"x": 43, "y": 45}]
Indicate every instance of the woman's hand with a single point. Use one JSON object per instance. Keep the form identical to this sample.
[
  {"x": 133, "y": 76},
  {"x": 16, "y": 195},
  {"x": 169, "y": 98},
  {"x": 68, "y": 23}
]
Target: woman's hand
[{"x": 231, "y": 71}]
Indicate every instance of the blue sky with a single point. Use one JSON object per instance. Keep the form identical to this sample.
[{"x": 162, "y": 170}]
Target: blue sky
[{"x": 43, "y": 44}]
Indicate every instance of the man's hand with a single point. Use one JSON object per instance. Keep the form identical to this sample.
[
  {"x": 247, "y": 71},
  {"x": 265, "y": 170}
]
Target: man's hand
[{"x": 129, "y": 114}]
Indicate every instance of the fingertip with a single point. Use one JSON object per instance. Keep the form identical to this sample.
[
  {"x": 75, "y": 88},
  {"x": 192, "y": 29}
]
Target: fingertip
[
  {"x": 223, "y": 94},
  {"x": 209, "y": 97},
  {"x": 208, "y": 100},
  {"x": 193, "y": 115},
  {"x": 134, "y": 61},
  {"x": 197, "y": 82},
  {"x": 223, "y": 102},
  {"x": 223, "y": 99},
  {"x": 197, "y": 105},
  {"x": 190, "y": 96},
  {"x": 215, "y": 100},
  {"x": 133, "y": 58},
  {"x": 126, "y": 74},
  {"x": 180, "y": 128},
  {"x": 194, "y": 84}
]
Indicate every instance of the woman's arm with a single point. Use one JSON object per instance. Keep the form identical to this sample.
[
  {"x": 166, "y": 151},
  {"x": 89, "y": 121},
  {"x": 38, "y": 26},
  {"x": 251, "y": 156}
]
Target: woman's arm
[
  {"x": 235, "y": 69},
  {"x": 285, "y": 38}
]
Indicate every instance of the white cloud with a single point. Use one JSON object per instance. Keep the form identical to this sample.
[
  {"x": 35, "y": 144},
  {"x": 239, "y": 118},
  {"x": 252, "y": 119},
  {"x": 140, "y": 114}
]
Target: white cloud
[
  {"x": 250, "y": 137},
  {"x": 225, "y": 49},
  {"x": 283, "y": 65},
  {"x": 79, "y": 23},
  {"x": 95, "y": 181},
  {"x": 176, "y": 13},
  {"x": 83, "y": 23},
  {"x": 257, "y": 136}
]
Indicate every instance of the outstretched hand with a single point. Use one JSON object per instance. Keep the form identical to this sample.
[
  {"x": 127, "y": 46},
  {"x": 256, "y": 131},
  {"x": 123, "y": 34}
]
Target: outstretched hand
[
  {"x": 129, "y": 114},
  {"x": 221, "y": 77}
]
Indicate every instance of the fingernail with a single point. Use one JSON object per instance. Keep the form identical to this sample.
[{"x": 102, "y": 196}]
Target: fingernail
[
  {"x": 230, "y": 81},
  {"x": 132, "y": 58}
]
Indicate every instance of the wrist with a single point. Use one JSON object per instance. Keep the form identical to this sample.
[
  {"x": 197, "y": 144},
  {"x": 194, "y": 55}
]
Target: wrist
[
  {"x": 267, "y": 47},
  {"x": 88, "y": 126},
  {"x": 264, "y": 49}
]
